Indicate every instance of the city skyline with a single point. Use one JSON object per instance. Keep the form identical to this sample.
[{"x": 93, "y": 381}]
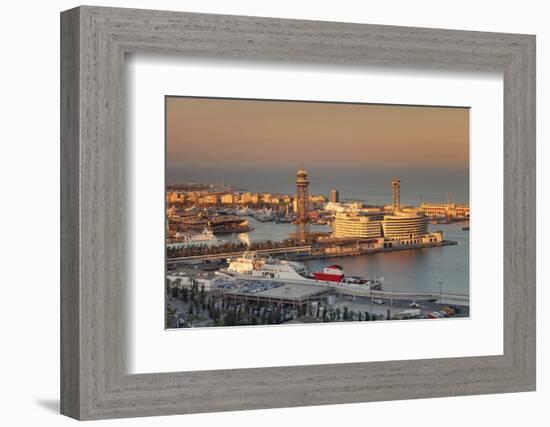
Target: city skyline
[
  {"x": 367, "y": 185},
  {"x": 257, "y": 145}
]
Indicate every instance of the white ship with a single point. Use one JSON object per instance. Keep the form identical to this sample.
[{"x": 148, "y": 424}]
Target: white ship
[
  {"x": 244, "y": 238},
  {"x": 244, "y": 212},
  {"x": 264, "y": 215},
  {"x": 185, "y": 239},
  {"x": 250, "y": 266}
]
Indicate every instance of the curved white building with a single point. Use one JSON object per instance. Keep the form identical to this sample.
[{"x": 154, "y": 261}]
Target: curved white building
[
  {"x": 355, "y": 224},
  {"x": 411, "y": 224},
  {"x": 394, "y": 228}
]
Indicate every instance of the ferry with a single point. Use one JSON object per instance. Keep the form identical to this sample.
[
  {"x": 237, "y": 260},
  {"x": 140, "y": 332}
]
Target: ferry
[{"x": 252, "y": 267}]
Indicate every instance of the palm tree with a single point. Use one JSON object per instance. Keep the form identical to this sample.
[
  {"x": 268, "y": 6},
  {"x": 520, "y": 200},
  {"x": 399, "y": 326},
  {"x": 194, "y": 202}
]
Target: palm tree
[{"x": 170, "y": 312}]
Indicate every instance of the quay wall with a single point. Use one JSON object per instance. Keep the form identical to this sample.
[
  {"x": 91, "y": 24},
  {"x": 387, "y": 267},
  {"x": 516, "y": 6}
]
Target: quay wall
[{"x": 309, "y": 252}]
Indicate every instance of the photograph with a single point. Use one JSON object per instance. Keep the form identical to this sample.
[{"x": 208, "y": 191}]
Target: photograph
[{"x": 282, "y": 212}]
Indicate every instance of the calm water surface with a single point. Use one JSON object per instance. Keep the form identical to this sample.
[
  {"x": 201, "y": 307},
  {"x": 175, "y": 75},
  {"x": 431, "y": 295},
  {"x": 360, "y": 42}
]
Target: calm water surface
[{"x": 415, "y": 269}]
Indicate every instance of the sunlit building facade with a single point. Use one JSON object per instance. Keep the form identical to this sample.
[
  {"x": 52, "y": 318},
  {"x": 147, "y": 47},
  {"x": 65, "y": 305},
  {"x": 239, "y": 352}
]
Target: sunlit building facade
[
  {"x": 405, "y": 227},
  {"x": 411, "y": 224},
  {"x": 355, "y": 224},
  {"x": 449, "y": 210},
  {"x": 228, "y": 199}
]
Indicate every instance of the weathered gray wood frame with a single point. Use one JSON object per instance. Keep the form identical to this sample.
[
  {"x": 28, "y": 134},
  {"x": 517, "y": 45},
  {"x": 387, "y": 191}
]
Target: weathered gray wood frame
[{"x": 94, "y": 41}]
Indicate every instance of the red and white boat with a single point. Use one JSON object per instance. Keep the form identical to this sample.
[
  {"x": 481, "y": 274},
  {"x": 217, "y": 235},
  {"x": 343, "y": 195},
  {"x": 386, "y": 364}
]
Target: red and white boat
[
  {"x": 335, "y": 273},
  {"x": 332, "y": 273}
]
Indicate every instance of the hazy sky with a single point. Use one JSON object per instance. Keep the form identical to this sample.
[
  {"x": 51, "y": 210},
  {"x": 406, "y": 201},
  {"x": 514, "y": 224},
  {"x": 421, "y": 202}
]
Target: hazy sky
[{"x": 235, "y": 133}]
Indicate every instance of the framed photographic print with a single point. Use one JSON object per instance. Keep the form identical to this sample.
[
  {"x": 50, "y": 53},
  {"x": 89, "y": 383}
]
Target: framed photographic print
[
  {"x": 299, "y": 212},
  {"x": 256, "y": 239}
]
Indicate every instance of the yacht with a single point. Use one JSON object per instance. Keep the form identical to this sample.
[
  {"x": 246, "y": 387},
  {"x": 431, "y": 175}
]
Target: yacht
[{"x": 186, "y": 239}]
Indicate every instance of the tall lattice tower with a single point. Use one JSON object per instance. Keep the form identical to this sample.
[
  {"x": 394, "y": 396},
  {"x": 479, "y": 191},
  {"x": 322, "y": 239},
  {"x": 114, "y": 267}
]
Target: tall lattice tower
[
  {"x": 302, "y": 197},
  {"x": 395, "y": 186}
]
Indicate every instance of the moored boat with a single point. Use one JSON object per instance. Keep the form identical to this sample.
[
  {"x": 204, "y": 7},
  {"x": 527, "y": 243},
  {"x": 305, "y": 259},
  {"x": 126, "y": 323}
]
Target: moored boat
[
  {"x": 251, "y": 266},
  {"x": 186, "y": 239},
  {"x": 332, "y": 273}
]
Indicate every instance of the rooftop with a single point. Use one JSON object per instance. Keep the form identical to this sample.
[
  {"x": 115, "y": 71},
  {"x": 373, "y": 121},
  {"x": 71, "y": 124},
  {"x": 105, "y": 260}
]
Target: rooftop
[{"x": 276, "y": 290}]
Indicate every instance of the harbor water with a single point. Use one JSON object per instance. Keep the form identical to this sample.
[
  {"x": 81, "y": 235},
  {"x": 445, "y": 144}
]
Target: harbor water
[
  {"x": 264, "y": 231},
  {"x": 407, "y": 270}
]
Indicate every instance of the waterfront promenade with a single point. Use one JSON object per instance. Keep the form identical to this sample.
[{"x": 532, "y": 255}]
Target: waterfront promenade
[{"x": 307, "y": 252}]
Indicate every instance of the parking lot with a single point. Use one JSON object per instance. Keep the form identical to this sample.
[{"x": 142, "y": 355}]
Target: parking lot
[
  {"x": 247, "y": 286},
  {"x": 270, "y": 289}
]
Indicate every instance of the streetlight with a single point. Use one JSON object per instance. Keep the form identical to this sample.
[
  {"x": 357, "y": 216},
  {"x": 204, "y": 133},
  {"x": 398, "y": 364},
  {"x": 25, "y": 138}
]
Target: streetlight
[
  {"x": 440, "y": 283},
  {"x": 371, "y": 297},
  {"x": 391, "y": 297}
]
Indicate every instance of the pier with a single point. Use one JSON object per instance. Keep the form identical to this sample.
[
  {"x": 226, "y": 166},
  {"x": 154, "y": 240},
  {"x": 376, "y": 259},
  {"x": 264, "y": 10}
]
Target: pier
[{"x": 307, "y": 252}]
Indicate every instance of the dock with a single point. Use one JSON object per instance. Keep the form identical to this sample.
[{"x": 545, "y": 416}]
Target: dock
[{"x": 307, "y": 252}]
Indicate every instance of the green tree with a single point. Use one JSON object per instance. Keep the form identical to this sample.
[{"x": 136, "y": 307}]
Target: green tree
[
  {"x": 263, "y": 316},
  {"x": 253, "y": 320},
  {"x": 168, "y": 323},
  {"x": 229, "y": 318}
]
